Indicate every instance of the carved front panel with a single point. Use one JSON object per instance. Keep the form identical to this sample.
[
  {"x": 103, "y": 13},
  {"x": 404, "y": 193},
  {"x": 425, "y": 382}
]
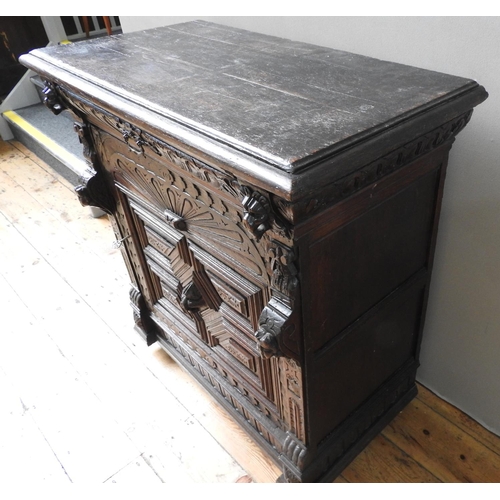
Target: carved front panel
[
  {"x": 212, "y": 272},
  {"x": 218, "y": 305}
]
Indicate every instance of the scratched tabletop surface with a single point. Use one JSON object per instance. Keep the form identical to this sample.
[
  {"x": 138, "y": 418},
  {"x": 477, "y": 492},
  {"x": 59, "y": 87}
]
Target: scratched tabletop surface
[{"x": 277, "y": 99}]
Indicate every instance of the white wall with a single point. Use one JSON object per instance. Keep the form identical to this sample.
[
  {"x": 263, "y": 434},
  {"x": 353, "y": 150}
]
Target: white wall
[{"x": 460, "y": 358}]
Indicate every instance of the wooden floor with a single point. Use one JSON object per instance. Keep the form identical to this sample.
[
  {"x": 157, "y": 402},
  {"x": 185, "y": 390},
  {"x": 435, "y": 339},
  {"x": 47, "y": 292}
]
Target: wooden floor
[{"x": 83, "y": 400}]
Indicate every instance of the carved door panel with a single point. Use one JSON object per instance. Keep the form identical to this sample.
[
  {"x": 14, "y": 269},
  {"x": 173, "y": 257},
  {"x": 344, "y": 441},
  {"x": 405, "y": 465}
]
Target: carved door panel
[{"x": 210, "y": 283}]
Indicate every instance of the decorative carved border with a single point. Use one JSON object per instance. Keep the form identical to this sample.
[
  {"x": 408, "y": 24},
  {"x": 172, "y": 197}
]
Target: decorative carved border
[
  {"x": 261, "y": 213},
  {"x": 347, "y": 186},
  {"x": 141, "y": 142}
]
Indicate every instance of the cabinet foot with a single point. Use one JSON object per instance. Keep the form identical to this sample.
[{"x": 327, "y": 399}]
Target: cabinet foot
[{"x": 288, "y": 477}]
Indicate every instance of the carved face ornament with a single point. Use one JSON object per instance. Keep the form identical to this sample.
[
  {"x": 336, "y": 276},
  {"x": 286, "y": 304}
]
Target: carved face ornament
[
  {"x": 257, "y": 212},
  {"x": 266, "y": 335}
]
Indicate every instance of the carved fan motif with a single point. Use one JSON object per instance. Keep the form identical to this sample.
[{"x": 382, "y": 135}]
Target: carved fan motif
[{"x": 198, "y": 211}]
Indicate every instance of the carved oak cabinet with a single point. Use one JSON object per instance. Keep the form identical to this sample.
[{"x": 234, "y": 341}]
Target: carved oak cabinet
[{"x": 277, "y": 207}]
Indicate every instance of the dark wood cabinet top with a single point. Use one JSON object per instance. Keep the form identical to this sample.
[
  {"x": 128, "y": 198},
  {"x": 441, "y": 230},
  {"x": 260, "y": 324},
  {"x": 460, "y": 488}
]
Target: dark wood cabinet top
[{"x": 286, "y": 104}]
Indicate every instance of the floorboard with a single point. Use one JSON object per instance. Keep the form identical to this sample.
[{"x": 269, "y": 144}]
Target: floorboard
[{"x": 84, "y": 400}]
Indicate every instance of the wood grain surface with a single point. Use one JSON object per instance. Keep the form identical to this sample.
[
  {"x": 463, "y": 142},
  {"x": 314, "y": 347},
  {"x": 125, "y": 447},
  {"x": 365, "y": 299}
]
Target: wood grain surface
[{"x": 280, "y": 100}]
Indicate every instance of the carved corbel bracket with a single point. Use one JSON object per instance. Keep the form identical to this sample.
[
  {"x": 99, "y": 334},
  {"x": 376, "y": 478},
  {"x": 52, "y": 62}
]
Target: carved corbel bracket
[
  {"x": 93, "y": 190},
  {"x": 276, "y": 333},
  {"x": 51, "y": 99},
  {"x": 257, "y": 216}
]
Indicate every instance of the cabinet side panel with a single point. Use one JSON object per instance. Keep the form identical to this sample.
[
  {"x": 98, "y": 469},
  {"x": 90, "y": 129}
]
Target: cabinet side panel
[
  {"x": 363, "y": 261},
  {"x": 362, "y": 359},
  {"x": 367, "y": 265}
]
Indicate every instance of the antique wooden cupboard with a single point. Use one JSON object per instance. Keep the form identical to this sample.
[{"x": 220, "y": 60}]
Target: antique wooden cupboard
[{"x": 277, "y": 206}]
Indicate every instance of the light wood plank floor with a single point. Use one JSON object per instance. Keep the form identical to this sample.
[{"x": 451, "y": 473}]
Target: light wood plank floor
[{"x": 84, "y": 400}]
